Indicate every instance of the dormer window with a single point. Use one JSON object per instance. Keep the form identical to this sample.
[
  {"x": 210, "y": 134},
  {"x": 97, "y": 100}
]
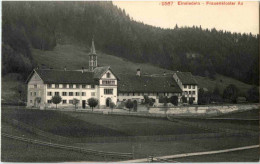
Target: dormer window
[{"x": 108, "y": 75}]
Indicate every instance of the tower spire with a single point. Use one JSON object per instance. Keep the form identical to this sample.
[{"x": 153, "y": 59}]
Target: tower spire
[{"x": 93, "y": 50}]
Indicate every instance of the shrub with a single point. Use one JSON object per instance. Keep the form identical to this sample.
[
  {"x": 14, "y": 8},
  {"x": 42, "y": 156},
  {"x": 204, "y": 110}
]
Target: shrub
[
  {"x": 174, "y": 100},
  {"x": 253, "y": 95},
  {"x": 75, "y": 102},
  {"x": 112, "y": 105},
  {"x": 230, "y": 93},
  {"x": 129, "y": 104},
  {"x": 191, "y": 99}
]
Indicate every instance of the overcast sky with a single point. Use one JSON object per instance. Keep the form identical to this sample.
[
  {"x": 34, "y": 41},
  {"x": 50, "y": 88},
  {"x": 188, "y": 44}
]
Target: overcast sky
[{"x": 236, "y": 18}]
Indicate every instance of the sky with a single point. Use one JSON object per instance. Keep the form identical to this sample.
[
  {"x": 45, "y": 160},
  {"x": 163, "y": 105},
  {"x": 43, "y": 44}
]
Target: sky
[{"x": 243, "y": 18}]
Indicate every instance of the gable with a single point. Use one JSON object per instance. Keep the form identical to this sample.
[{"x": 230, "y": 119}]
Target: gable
[
  {"x": 108, "y": 75},
  {"x": 35, "y": 79}
]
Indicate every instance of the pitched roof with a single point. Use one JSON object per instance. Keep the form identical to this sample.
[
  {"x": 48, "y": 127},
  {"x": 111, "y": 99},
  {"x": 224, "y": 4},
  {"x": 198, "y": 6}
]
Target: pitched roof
[
  {"x": 60, "y": 76},
  {"x": 133, "y": 83},
  {"x": 99, "y": 71},
  {"x": 186, "y": 78}
]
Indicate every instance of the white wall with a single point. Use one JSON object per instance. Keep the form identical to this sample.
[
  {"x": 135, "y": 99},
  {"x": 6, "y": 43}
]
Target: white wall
[{"x": 40, "y": 90}]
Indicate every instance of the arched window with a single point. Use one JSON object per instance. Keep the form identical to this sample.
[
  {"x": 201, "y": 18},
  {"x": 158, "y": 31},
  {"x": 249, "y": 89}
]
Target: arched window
[{"x": 108, "y": 75}]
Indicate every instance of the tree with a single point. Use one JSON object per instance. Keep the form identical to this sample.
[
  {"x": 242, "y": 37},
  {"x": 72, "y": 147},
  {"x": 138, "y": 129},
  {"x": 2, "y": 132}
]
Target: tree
[
  {"x": 92, "y": 102},
  {"x": 184, "y": 99},
  {"x": 191, "y": 99},
  {"x": 129, "y": 104},
  {"x": 75, "y": 102},
  {"x": 174, "y": 100},
  {"x": 112, "y": 105},
  {"x": 231, "y": 93},
  {"x": 215, "y": 96},
  {"x": 253, "y": 95},
  {"x": 151, "y": 101},
  {"x": 56, "y": 100}
]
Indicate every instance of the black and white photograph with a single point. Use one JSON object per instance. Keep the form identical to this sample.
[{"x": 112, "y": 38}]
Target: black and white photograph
[{"x": 129, "y": 81}]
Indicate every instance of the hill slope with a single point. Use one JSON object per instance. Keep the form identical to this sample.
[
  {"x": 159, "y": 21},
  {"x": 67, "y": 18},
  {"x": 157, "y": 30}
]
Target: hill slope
[{"x": 204, "y": 52}]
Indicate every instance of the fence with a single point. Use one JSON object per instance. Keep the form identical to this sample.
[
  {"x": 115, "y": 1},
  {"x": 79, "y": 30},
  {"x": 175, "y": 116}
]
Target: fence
[{"x": 72, "y": 148}]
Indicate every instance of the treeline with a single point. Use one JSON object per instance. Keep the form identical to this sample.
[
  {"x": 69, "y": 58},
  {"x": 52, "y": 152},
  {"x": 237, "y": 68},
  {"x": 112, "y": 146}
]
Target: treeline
[{"x": 203, "y": 52}]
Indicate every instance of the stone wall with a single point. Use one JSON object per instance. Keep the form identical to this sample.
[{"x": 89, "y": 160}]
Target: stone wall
[{"x": 202, "y": 110}]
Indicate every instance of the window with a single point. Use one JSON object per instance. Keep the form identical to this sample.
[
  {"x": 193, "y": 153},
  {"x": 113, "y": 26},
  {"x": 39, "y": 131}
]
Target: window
[
  {"x": 57, "y": 93},
  {"x": 56, "y": 85},
  {"x": 92, "y": 86},
  {"x": 185, "y": 86},
  {"x": 189, "y": 92},
  {"x": 49, "y": 93},
  {"x": 189, "y": 86},
  {"x": 35, "y": 85},
  {"x": 35, "y": 94},
  {"x": 108, "y": 91},
  {"x": 49, "y": 101},
  {"x": 70, "y": 93},
  {"x": 64, "y": 93},
  {"x": 64, "y": 85},
  {"x": 93, "y": 94},
  {"x": 77, "y": 93},
  {"x": 77, "y": 85},
  {"x": 193, "y": 92},
  {"x": 31, "y": 93},
  {"x": 71, "y": 101},
  {"x": 133, "y": 94},
  {"x": 186, "y": 92},
  {"x": 64, "y": 101},
  {"x": 108, "y": 75},
  {"x": 83, "y": 86},
  {"x": 193, "y": 86},
  {"x": 83, "y": 93},
  {"x": 48, "y": 85},
  {"x": 71, "y": 86}
]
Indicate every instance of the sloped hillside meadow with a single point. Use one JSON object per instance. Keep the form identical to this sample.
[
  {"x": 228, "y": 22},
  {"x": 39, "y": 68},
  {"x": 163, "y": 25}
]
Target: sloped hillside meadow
[{"x": 76, "y": 57}]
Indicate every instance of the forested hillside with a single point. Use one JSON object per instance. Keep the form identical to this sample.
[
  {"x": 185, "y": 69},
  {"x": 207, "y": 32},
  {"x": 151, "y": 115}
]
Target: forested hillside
[{"x": 43, "y": 25}]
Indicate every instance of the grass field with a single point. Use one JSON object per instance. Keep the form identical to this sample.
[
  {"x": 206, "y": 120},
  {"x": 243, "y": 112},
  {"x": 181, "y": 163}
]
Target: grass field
[
  {"x": 78, "y": 126},
  {"x": 18, "y": 151}
]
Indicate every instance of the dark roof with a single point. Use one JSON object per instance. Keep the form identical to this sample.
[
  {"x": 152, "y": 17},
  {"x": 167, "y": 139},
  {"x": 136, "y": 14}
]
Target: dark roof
[
  {"x": 99, "y": 71},
  {"x": 60, "y": 76},
  {"x": 134, "y": 83},
  {"x": 186, "y": 78}
]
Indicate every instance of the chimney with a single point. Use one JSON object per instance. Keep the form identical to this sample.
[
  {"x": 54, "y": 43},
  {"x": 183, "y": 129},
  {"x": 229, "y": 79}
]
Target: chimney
[
  {"x": 65, "y": 68},
  {"x": 138, "y": 72},
  {"x": 82, "y": 69}
]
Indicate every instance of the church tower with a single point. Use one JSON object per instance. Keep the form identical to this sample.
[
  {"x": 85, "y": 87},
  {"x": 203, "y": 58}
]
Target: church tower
[{"x": 92, "y": 57}]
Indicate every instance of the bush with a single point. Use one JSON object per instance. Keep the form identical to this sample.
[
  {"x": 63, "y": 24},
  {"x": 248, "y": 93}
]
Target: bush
[
  {"x": 129, "y": 104},
  {"x": 174, "y": 100},
  {"x": 253, "y": 95},
  {"x": 112, "y": 105},
  {"x": 75, "y": 102},
  {"x": 230, "y": 93}
]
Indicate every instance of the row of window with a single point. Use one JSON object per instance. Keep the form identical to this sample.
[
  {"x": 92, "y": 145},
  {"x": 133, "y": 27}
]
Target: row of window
[
  {"x": 63, "y": 101},
  {"x": 190, "y": 92},
  {"x": 108, "y": 91},
  {"x": 69, "y": 86},
  {"x": 69, "y": 93},
  {"x": 148, "y": 94},
  {"x": 189, "y": 86},
  {"x": 108, "y": 82}
]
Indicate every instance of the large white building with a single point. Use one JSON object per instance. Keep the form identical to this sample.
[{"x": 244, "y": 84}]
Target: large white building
[{"x": 104, "y": 85}]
